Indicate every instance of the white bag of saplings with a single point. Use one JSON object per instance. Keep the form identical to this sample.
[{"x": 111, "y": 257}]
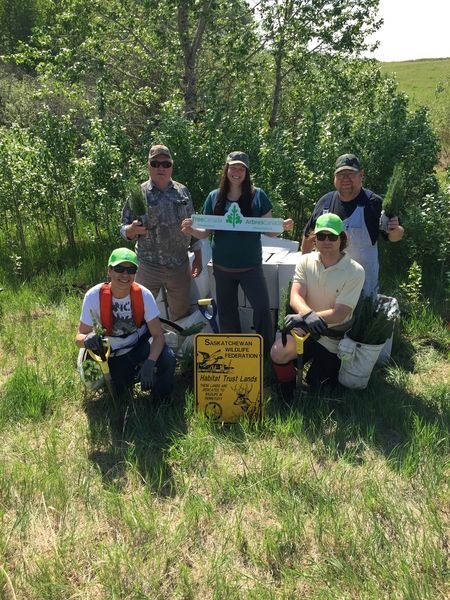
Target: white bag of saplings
[
  {"x": 357, "y": 362},
  {"x": 360, "y": 348},
  {"x": 90, "y": 371}
]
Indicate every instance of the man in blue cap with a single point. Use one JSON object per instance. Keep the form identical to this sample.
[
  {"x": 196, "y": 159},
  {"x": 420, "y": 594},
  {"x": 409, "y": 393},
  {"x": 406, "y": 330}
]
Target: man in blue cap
[
  {"x": 325, "y": 291},
  {"x": 360, "y": 210},
  {"x": 128, "y": 315}
]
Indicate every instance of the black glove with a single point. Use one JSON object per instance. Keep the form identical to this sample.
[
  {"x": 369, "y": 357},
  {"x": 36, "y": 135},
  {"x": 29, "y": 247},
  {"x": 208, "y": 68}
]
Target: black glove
[
  {"x": 293, "y": 321},
  {"x": 146, "y": 374},
  {"x": 314, "y": 324},
  {"x": 94, "y": 342}
]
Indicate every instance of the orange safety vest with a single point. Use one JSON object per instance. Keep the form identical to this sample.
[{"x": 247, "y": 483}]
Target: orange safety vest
[{"x": 106, "y": 312}]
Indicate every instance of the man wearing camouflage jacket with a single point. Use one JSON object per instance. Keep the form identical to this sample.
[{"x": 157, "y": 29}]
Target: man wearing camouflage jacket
[{"x": 161, "y": 247}]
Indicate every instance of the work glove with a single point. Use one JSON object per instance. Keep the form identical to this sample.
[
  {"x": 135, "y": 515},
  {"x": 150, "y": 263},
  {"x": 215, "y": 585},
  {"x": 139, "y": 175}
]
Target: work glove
[
  {"x": 314, "y": 324},
  {"x": 293, "y": 321},
  {"x": 94, "y": 342},
  {"x": 146, "y": 374}
]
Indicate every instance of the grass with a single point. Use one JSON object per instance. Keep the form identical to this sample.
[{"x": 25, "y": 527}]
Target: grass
[
  {"x": 427, "y": 83},
  {"x": 332, "y": 497},
  {"x": 420, "y": 79}
]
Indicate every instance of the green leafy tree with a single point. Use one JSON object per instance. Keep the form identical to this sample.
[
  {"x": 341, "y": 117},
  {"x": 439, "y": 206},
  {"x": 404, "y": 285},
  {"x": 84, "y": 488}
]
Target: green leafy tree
[
  {"x": 275, "y": 79},
  {"x": 99, "y": 179},
  {"x": 19, "y": 168},
  {"x": 59, "y": 137},
  {"x": 441, "y": 121},
  {"x": 293, "y": 31},
  {"x": 17, "y": 20}
]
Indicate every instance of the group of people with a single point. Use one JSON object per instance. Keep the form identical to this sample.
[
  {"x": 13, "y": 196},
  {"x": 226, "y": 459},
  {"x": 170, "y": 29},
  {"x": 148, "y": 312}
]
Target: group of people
[{"x": 344, "y": 228}]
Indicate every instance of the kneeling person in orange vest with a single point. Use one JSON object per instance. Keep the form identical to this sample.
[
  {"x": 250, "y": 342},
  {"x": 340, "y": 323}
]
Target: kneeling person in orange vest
[{"x": 129, "y": 316}]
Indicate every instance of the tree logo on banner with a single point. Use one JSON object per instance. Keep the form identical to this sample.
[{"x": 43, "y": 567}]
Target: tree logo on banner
[
  {"x": 234, "y": 220},
  {"x": 234, "y": 215}
]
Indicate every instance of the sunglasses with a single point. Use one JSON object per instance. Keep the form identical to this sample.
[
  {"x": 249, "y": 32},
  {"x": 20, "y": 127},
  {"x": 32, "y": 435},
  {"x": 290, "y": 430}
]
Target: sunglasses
[
  {"x": 322, "y": 236},
  {"x": 165, "y": 164},
  {"x": 122, "y": 269}
]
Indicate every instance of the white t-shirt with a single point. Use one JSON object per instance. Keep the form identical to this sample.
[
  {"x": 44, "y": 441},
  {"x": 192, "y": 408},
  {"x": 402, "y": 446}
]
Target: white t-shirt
[{"x": 125, "y": 334}]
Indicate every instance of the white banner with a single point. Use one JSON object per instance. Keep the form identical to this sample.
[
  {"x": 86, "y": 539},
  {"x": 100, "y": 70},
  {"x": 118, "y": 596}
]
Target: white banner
[{"x": 233, "y": 220}]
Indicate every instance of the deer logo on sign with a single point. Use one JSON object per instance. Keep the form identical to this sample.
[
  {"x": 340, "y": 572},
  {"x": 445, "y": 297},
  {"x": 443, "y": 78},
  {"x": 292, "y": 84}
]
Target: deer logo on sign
[{"x": 249, "y": 407}]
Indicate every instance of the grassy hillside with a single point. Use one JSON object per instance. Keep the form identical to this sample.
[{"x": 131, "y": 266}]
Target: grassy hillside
[
  {"x": 427, "y": 82},
  {"x": 420, "y": 78}
]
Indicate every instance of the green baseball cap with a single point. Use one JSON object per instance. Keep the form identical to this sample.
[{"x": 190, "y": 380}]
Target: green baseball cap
[
  {"x": 120, "y": 255},
  {"x": 329, "y": 222},
  {"x": 347, "y": 161}
]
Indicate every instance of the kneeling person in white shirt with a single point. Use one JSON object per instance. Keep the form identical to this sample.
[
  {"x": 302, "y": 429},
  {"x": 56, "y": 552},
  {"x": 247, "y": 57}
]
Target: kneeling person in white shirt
[
  {"x": 129, "y": 316},
  {"x": 326, "y": 288}
]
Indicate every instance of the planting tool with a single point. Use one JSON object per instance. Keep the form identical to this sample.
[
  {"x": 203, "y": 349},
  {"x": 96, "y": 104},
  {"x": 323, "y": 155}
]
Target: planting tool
[
  {"x": 300, "y": 341},
  {"x": 103, "y": 362},
  {"x": 204, "y": 305}
]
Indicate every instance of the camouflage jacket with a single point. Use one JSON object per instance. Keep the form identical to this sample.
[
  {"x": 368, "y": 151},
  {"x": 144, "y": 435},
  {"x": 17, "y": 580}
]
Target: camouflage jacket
[{"x": 164, "y": 244}]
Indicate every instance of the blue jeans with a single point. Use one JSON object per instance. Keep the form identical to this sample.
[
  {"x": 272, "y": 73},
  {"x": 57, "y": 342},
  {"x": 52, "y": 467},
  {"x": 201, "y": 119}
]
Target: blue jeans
[{"x": 124, "y": 368}]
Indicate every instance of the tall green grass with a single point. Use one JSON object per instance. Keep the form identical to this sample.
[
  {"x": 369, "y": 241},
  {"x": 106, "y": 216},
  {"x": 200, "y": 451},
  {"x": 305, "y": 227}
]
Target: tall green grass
[{"x": 339, "y": 495}]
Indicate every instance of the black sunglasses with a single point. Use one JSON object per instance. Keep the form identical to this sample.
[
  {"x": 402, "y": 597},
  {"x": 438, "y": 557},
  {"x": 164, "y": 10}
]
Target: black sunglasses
[
  {"x": 122, "y": 269},
  {"x": 165, "y": 164},
  {"x": 322, "y": 236}
]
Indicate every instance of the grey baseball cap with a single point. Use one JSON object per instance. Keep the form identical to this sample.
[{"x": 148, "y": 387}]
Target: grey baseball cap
[
  {"x": 238, "y": 158},
  {"x": 347, "y": 161}
]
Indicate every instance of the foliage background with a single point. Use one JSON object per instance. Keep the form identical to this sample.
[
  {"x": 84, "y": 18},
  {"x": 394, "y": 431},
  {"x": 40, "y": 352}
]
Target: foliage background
[{"x": 86, "y": 87}]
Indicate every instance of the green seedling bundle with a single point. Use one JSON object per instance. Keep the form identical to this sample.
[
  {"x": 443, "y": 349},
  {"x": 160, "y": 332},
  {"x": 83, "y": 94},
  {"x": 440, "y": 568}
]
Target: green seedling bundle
[
  {"x": 394, "y": 199},
  {"x": 91, "y": 371},
  {"x": 137, "y": 203},
  {"x": 374, "y": 323}
]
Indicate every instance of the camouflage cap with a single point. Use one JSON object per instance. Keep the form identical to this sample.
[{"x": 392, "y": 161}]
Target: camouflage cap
[
  {"x": 238, "y": 158},
  {"x": 159, "y": 150},
  {"x": 347, "y": 161}
]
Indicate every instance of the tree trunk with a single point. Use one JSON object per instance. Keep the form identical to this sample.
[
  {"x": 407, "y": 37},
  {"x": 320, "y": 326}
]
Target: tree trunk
[
  {"x": 20, "y": 234},
  {"x": 191, "y": 50},
  {"x": 276, "y": 96}
]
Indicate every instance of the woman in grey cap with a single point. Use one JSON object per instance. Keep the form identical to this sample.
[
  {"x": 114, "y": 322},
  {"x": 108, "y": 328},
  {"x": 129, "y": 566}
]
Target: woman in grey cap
[{"x": 237, "y": 255}]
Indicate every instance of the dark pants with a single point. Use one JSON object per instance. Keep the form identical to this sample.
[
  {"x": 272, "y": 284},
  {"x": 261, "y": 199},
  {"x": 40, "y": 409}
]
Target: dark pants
[
  {"x": 324, "y": 366},
  {"x": 124, "y": 368},
  {"x": 255, "y": 288}
]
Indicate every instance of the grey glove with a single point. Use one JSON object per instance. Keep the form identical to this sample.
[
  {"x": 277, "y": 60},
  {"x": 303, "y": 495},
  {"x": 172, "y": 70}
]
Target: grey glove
[
  {"x": 314, "y": 324},
  {"x": 292, "y": 321},
  {"x": 94, "y": 342},
  {"x": 146, "y": 374}
]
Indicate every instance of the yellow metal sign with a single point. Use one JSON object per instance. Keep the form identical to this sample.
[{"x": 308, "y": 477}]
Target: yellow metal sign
[{"x": 228, "y": 376}]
